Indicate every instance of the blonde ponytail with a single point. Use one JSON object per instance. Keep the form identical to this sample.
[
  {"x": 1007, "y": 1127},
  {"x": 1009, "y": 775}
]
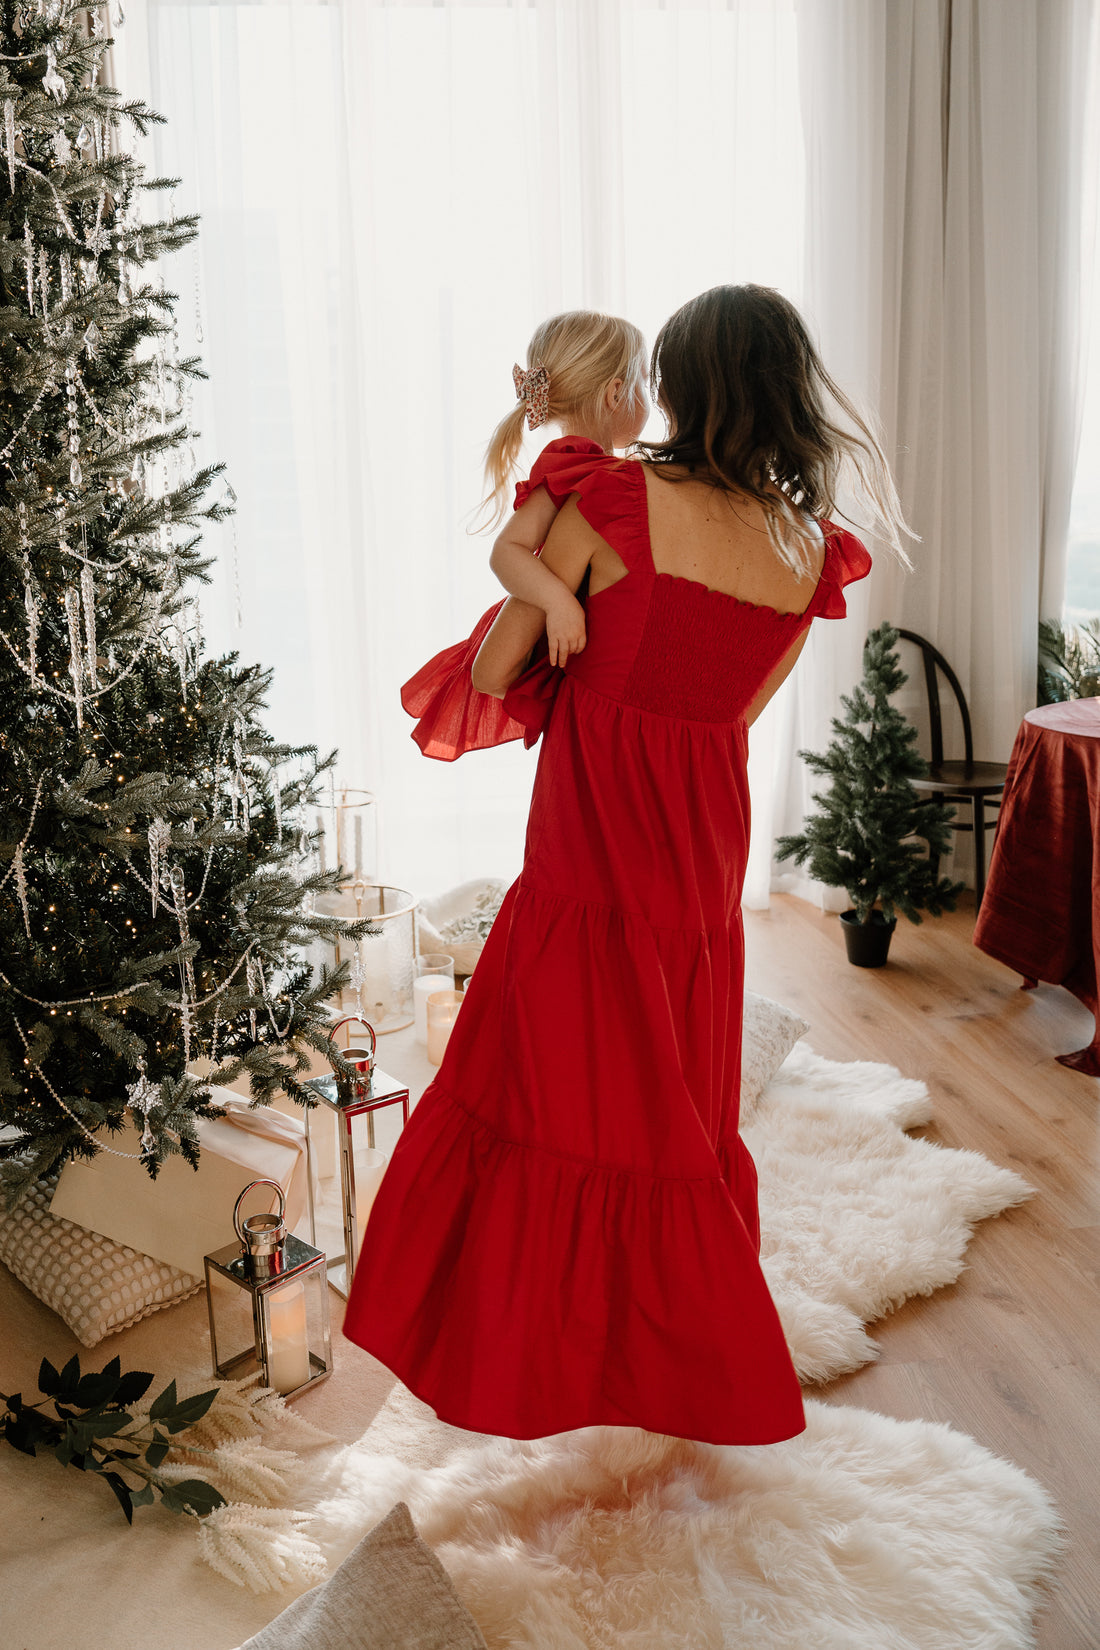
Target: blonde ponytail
[
  {"x": 501, "y": 457},
  {"x": 583, "y": 351}
]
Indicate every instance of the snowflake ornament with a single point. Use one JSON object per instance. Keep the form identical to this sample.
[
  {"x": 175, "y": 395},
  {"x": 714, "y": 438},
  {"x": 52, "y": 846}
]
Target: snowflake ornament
[{"x": 141, "y": 1097}]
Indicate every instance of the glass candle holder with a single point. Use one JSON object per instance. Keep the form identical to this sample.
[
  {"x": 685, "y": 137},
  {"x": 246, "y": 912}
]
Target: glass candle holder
[
  {"x": 383, "y": 963},
  {"x": 443, "y": 1007},
  {"x": 347, "y": 827},
  {"x": 435, "y": 972}
]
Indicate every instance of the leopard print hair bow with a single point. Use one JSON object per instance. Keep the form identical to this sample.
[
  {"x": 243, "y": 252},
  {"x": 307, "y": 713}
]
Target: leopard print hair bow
[{"x": 533, "y": 389}]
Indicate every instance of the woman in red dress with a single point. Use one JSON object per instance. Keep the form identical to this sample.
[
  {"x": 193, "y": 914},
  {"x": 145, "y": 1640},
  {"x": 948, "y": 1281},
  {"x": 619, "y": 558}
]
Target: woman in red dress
[{"x": 567, "y": 1233}]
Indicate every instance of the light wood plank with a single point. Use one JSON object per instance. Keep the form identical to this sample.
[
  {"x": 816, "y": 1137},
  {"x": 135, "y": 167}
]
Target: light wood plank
[{"x": 1011, "y": 1353}]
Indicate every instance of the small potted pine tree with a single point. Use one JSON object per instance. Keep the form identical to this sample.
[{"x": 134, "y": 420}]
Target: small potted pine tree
[{"x": 871, "y": 830}]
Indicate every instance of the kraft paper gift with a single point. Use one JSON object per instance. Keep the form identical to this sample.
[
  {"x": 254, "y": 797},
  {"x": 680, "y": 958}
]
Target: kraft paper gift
[{"x": 185, "y": 1213}]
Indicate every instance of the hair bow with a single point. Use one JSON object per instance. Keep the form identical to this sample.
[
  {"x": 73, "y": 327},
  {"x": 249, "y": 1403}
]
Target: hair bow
[{"x": 533, "y": 389}]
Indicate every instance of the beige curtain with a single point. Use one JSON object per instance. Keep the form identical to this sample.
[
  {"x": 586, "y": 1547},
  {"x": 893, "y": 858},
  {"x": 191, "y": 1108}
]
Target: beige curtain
[
  {"x": 950, "y": 135},
  {"x": 945, "y": 180}
]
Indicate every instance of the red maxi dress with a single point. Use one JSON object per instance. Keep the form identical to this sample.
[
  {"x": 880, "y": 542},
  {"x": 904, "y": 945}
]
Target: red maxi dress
[{"x": 567, "y": 1233}]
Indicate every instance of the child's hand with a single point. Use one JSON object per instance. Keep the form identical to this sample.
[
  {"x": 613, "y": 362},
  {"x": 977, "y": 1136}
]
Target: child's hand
[{"x": 565, "y": 630}]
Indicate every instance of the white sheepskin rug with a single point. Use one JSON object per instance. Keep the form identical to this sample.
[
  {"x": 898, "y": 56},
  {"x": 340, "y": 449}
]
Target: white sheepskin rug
[
  {"x": 863, "y": 1534},
  {"x": 855, "y": 1215}
]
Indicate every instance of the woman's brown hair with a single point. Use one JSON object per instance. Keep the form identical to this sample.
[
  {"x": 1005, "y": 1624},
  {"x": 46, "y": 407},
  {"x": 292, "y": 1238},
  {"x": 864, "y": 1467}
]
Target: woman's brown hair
[{"x": 746, "y": 397}]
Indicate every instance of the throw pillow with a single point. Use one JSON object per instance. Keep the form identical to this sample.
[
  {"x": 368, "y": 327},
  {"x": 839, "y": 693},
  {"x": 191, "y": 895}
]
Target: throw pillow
[
  {"x": 769, "y": 1032},
  {"x": 96, "y": 1285},
  {"x": 390, "y": 1593}
]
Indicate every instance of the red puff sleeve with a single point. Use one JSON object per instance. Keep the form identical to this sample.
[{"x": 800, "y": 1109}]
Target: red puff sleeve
[
  {"x": 571, "y": 457},
  {"x": 846, "y": 561}
]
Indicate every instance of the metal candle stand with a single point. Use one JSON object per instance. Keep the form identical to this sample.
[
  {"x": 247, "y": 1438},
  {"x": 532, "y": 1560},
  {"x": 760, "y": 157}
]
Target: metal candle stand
[
  {"x": 267, "y": 1303},
  {"x": 361, "y": 1095}
]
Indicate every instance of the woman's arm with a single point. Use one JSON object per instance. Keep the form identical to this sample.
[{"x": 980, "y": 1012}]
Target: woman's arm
[
  {"x": 529, "y": 578},
  {"x": 504, "y": 652}
]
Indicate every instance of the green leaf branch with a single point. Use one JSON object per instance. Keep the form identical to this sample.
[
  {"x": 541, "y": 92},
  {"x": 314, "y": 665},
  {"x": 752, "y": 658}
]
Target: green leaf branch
[{"x": 92, "y": 1427}]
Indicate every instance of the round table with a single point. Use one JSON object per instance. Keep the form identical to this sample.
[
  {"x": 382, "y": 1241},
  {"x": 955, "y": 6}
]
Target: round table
[{"x": 1041, "y": 910}]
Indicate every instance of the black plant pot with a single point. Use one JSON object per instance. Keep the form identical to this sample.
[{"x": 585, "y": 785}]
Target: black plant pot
[{"x": 868, "y": 942}]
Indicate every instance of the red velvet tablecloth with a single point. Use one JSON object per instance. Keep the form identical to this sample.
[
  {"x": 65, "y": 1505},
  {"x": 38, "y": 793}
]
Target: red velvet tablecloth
[{"x": 1041, "y": 910}]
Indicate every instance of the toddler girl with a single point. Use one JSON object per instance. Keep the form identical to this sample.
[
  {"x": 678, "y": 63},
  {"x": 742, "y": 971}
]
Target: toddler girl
[{"x": 586, "y": 373}]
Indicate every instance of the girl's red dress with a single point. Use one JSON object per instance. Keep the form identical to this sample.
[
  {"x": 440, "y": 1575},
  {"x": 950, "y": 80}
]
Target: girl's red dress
[
  {"x": 453, "y": 718},
  {"x": 567, "y": 1232}
]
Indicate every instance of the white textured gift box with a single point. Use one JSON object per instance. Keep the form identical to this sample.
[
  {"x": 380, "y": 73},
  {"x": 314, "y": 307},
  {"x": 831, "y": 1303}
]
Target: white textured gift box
[{"x": 187, "y": 1213}]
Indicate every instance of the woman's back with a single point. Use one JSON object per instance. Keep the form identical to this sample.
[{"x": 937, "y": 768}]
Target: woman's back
[{"x": 719, "y": 539}]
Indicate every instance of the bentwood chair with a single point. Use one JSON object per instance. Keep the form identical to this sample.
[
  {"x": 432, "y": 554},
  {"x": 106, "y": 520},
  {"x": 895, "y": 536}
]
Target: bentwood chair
[{"x": 982, "y": 782}]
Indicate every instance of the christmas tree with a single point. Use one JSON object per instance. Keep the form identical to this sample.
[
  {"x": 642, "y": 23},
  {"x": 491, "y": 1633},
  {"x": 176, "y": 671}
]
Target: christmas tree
[
  {"x": 152, "y": 898},
  {"x": 872, "y": 831}
]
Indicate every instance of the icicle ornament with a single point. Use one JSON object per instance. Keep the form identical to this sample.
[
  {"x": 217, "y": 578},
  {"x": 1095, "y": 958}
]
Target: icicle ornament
[
  {"x": 357, "y": 980},
  {"x": 44, "y": 280},
  {"x": 76, "y": 666},
  {"x": 21, "y": 888},
  {"x": 254, "y": 976},
  {"x": 28, "y": 261},
  {"x": 87, "y": 592},
  {"x": 179, "y": 641},
  {"x": 9, "y": 139},
  {"x": 30, "y": 593},
  {"x": 30, "y": 604},
  {"x": 160, "y": 837}
]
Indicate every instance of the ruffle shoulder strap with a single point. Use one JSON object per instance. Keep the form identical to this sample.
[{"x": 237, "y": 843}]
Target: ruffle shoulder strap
[
  {"x": 846, "y": 561},
  {"x": 610, "y": 491}
]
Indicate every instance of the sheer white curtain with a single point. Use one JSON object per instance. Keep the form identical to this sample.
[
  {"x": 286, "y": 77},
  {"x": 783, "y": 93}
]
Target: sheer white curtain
[{"x": 393, "y": 195}]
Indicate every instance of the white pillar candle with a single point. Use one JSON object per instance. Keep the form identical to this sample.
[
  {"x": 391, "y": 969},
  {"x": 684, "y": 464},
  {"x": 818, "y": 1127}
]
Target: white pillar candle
[
  {"x": 425, "y": 986},
  {"x": 436, "y": 972},
  {"x": 288, "y": 1344},
  {"x": 443, "y": 1007},
  {"x": 370, "y": 1166}
]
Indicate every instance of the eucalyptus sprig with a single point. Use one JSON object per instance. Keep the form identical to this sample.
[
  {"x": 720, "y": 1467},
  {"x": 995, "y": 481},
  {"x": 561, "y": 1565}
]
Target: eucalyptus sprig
[{"x": 93, "y": 1429}]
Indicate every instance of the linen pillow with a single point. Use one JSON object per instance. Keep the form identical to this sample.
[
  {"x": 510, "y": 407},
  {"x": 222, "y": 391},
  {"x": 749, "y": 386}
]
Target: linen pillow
[
  {"x": 96, "y": 1285},
  {"x": 390, "y": 1593},
  {"x": 768, "y": 1033}
]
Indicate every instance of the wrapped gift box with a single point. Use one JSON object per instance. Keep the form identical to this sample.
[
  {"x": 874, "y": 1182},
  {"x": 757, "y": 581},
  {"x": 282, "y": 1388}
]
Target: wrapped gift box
[{"x": 186, "y": 1213}]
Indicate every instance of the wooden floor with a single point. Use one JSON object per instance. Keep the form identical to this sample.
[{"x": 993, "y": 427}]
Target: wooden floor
[{"x": 1011, "y": 1354}]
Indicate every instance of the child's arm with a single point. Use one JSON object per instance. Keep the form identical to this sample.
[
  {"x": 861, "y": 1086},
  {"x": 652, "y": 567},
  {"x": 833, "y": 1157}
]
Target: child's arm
[
  {"x": 524, "y": 575},
  {"x": 503, "y": 654}
]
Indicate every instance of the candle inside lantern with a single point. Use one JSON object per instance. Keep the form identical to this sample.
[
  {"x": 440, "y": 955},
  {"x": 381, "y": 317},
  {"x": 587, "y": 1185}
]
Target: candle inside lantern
[
  {"x": 288, "y": 1340},
  {"x": 443, "y": 1007},
  {"x": 370, "y": 1166}
]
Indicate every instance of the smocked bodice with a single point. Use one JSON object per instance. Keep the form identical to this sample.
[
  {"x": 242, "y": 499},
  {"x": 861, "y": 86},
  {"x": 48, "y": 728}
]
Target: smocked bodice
[{"x": 666, "y": 644}]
